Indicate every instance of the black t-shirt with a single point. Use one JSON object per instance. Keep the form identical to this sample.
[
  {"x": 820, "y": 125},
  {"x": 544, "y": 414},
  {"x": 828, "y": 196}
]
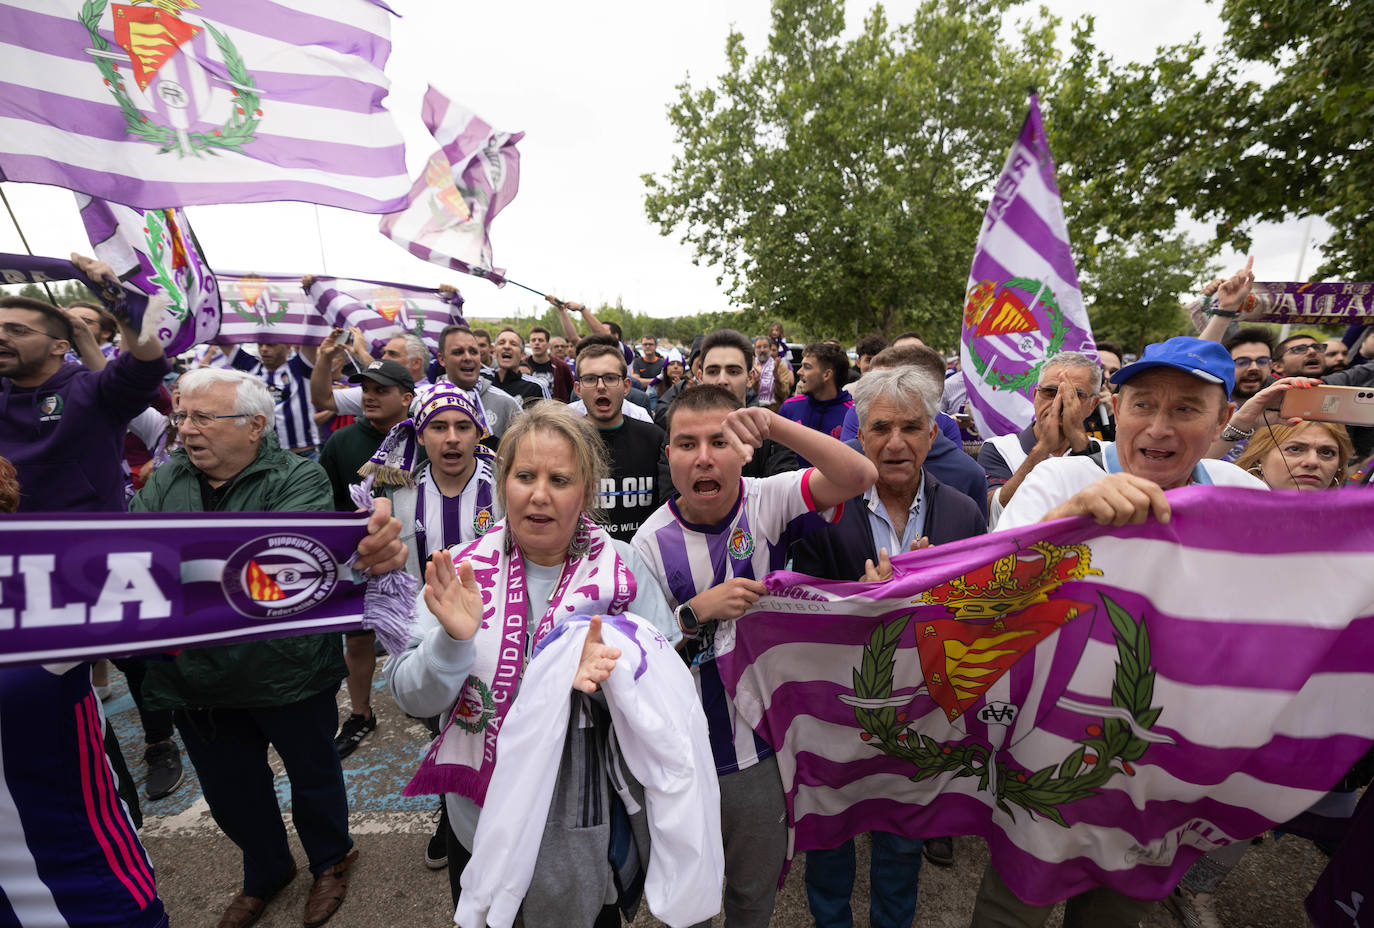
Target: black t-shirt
[
  {"x": 629, "y": 495},
  {"x": 647, "y": 370},
  {"x": 542, "y": 372}
]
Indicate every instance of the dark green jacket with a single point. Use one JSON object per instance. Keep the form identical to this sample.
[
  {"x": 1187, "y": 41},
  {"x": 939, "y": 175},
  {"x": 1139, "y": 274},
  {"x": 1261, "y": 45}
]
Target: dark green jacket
[{"x": 251, "y": 674}]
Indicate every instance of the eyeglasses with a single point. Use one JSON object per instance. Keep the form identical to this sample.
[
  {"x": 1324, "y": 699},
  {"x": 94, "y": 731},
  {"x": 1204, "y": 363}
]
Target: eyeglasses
[
  {"x": 1302, "y": 349},
  {"x": 202, "y": 420},
  {"x": 1243, "y": 363},
  {"x": 19, "y": 330},
  {"x": 591, "y": 380},
  {"x": 1050, "y": 393}
]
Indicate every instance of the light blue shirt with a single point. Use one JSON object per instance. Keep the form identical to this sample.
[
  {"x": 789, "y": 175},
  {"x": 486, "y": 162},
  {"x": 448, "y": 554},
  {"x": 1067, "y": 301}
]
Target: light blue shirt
[{"x": 884, "y": 530}]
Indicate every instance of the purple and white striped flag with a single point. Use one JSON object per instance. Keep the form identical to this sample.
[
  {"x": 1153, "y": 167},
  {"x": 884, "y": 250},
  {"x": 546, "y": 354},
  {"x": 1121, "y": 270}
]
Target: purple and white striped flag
[
  {"x": 1102, "y": 705},
  {"x": 474, "y": 174},
  {"x": 273, "y": 308},
  {"x": 1023, "y": 302},
  {"x": 156, "y": 255},
  {"x": 180, "y": 103}
]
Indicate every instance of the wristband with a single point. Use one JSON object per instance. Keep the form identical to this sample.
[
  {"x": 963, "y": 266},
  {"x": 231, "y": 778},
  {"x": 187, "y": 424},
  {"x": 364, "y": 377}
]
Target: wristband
[
  {"x": 1223, "y": 313},
  {"x": 1231, "y": 433}
]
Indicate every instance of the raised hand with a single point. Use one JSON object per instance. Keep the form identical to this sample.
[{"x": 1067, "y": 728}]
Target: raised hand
[{"x": 453, "y": 597}]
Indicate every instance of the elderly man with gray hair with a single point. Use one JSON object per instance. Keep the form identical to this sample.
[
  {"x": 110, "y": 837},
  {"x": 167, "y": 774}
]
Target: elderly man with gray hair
[
  {"x": 1064, "y": 396},
  {"x": 231, "y": 701},
  {"x": 907, "y": 508}
]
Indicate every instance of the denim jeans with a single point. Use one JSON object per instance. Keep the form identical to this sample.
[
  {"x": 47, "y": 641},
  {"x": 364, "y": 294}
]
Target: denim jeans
[{"x": 894, "y": 872}]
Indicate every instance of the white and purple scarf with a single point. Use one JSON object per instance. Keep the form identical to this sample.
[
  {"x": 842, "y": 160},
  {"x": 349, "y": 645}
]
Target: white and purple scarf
[{"x": 463, "y": 756}]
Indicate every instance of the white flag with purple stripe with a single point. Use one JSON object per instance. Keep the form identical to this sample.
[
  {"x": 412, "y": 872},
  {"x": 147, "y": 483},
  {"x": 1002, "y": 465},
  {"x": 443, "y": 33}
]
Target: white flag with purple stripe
[
  {"x": 474, "y": 174},
  {"x": 1102, "y": 705},
  {"x": 1023, "y": 302},
  {"x": 180, "y": 103},
  {"x": 156, "y": 256},
  {"x": 274, "y": 308}
]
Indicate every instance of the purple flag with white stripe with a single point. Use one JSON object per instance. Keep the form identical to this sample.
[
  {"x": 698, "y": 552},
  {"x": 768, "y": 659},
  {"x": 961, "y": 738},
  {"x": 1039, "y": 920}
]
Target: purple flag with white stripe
[
  {"x": 180, "y": 103},
  {"x": 1023, "y": 302},
  {"x": 474, "y": 174},
  {"x": 274, "y": 308},
  {"x": 157, "y": 257},
  {"x": 1102, "y": 705}
]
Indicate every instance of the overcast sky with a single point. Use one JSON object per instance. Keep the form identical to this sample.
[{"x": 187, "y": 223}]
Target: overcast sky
[{"x": 589, "y": 85}]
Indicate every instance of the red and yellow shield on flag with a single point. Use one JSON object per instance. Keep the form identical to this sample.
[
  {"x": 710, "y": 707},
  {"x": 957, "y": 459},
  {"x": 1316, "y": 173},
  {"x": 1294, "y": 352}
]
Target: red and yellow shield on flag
[{"x": 150, "y": 35}]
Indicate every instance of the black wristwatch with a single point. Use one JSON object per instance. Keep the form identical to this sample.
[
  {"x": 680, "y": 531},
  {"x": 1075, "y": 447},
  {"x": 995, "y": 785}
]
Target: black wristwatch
[{"x": 687, "y": 621}]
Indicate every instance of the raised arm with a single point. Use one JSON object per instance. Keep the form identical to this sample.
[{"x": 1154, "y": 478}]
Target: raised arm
[
  {"x": 141, "y": 346},
  {"x": 841, "y": 472},
  {"x": 1231, "y": 296}
]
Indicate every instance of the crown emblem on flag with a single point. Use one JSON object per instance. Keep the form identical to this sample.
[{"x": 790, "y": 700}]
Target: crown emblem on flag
[
  {"x": 176, "y": 86},
  {"x": 1012, "y": 583}
]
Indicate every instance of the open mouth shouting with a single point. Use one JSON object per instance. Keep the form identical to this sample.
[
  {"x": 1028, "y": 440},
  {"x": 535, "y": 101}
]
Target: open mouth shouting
[{"x": 706, "y": 487}]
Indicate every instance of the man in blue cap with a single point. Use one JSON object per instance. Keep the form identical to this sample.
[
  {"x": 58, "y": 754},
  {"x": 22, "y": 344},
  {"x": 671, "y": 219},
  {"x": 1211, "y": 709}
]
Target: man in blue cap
[{"x": 1171, "y": 405}]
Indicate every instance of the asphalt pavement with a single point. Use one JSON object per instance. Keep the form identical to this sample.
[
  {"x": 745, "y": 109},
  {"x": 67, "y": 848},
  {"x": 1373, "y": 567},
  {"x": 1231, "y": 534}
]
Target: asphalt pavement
[{"x": 199, "y": 870}]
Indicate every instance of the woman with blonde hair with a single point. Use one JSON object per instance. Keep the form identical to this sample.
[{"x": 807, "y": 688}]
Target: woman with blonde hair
[
  {"x": 478, "y": 626},
  {"x": 1305, "y": 456}
]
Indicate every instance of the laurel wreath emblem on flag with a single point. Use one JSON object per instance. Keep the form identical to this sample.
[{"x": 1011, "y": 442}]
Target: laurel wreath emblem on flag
[
  {"x": 994, "y": 309},
  {"x": 150, "y": 37},
  {"x": 1109, "y": 746}
]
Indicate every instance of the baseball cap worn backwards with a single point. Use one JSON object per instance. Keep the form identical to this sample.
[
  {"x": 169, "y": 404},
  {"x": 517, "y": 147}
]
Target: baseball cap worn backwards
[{"x": 1203, "y": 359}]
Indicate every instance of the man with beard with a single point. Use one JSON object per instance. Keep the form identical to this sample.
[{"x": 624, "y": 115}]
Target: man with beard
[
  {"x": 770, "y": 378},
  {"x": 1334, "y": 356},
  {"x": 633, "y": 445},
  {"x": 649, "y": 364}
]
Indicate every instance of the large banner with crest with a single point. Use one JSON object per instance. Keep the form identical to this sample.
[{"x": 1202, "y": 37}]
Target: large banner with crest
[{"x": 1102, "y": 705}]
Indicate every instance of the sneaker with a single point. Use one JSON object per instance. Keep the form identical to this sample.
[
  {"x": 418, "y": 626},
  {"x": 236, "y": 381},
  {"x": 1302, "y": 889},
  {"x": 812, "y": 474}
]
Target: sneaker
[
  {"x": 1193, "y": 910},
  {"x": 436, "y": 853},
  {"x": 164, "y": 768},
  {"x": 939, "y": 851},
  {"x": 352, "y": 732}
]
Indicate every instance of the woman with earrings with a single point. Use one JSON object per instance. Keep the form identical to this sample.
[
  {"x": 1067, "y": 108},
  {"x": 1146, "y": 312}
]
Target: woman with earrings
[
  {"x": 1306, "y": 456},
  {"x": 487, "y": 604}
]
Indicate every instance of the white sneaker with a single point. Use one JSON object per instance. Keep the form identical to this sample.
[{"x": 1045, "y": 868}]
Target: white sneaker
[{"x": 1193, "y": 910}]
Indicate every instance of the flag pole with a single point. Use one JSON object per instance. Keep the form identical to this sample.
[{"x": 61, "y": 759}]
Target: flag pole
[{"x": 14, "y": 219}]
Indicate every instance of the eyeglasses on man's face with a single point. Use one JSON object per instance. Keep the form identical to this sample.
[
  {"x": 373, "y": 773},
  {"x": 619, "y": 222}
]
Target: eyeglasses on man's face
[
  {"x": 1050, "y": 392},
  {"x": 19, "y": 330},
  {"x": 202, "y": 420},
  {"x": 1303, "y": 349},
  {"x": 1261, "y": 363},
  {"x": 590, "y": 380}
]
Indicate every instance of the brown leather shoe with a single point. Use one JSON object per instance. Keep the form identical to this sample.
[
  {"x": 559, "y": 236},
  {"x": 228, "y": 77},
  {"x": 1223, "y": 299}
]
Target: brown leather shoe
[
  {"x": 246, "y": 909},
  {"x": 328, "y": 893}
]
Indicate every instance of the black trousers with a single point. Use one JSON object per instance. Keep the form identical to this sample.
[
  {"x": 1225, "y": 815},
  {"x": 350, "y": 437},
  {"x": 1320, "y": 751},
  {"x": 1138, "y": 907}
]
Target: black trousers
[{"x": 228, "y": 748}]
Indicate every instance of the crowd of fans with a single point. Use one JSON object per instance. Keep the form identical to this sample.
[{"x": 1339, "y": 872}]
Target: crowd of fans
[{"x": 696, "y": 473}]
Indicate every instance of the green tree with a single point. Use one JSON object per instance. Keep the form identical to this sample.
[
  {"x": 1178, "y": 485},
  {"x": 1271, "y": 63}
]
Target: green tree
[
  {"x": 1192, "y": 131},
  {"x": 1132, "y": 291},
  {"x": 63, "y": 292},
  {"x": 839, "y": 181}
]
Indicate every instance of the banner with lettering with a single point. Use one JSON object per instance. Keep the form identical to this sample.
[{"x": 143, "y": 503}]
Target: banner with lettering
[
  {"x": 1303, "y": 304},
  {"x": 1102, "y": 705},
  {"x": 78, "y": 587}
]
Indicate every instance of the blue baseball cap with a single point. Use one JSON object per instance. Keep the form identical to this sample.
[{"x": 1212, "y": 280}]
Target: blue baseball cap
[{"x": 1205, "y": 360}]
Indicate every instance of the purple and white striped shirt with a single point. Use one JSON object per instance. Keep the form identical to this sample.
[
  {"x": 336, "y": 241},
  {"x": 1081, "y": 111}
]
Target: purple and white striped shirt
[
  {"x": 290, "y": 388},
  {"x": 688, "y": 558}
]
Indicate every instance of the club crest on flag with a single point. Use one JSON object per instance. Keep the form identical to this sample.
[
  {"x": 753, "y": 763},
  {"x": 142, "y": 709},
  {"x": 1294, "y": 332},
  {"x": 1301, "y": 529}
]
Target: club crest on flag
[
  {"x": 183, "y": 100},
  {"x": 279, "y": 575},
  {"x": 741, "y": 544},
  {"x": 996, "y": 615},
  {"x": 255, "y": 302},
  {"x": 1011, "y": 328},
  {"x": 387, "y": 302}
]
